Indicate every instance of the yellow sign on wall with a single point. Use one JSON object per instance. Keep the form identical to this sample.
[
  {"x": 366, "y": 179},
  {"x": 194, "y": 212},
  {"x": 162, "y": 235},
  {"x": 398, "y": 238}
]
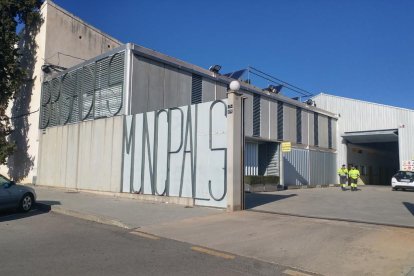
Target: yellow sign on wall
[{"x": 286, "y": 146}]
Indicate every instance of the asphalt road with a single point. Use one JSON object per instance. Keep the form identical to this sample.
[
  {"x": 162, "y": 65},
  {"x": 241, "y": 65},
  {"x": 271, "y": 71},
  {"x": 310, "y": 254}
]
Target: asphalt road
[{"x": 43, "y": 243}]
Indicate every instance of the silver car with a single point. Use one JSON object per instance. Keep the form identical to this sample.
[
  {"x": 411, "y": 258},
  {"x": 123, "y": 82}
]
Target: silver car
[
  {"x": 16, "y": 196},
  {"x": 403, "y": 180}
]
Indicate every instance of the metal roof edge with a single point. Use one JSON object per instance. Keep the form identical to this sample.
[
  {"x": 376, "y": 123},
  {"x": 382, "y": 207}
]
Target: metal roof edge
[
  {"x": 362, "y": 101},
  {"x": 146, "y": 52}
]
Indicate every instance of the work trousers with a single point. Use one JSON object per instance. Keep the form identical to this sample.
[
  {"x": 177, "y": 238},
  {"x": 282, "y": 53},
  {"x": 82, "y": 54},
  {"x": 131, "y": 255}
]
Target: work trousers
[
  {"x": 343, "y": 180},
  {"x": 354, "y": 182}
]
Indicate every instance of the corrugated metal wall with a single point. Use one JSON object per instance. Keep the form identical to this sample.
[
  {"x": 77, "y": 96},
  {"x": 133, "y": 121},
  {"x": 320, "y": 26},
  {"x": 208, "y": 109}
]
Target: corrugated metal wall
[
  {"x": 251, "y": 159},
  {"x": 296, "y": 167},
  {"x": 156, "y": 85},
  {"x": 309, "y": 167},
  {"x": 356, "y": 115},
  {"x": 322, "y": 167}
]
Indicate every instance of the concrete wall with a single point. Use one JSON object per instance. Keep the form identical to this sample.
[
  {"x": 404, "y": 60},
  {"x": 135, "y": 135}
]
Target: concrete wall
[
  {"x": 178, "y": 152},
  {"x": 65, "y": 40},
  {"x": 86, "y": 155}
]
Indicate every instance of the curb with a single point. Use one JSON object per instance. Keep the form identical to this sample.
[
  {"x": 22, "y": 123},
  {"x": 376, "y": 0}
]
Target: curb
[{"x": 84, "y": 216}]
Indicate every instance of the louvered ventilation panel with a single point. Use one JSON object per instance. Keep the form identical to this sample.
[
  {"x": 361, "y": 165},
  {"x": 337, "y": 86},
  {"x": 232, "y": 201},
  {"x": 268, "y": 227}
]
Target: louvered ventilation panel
[
  {"x": 299, "y": 125},
  {"x": 54, "y": 102},
  {"x": 67, "y": 96},
  {"x": 113, "y": 101},
  {"x": 87, "y": 91},
  {"x": 316, "y": 129},
  {"x": 280, "y": 121},
  {"x": 196, "y": 89},
  {"x": 44, "y": 111},
  {"x": 330, "y": 132},
  {"x": 256, "y": 115}
]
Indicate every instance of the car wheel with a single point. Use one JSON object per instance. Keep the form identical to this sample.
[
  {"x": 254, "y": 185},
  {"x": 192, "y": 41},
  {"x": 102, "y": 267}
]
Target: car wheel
[
  {"x": 394, "y": 189},
  {"x": 26, "y": 203}
]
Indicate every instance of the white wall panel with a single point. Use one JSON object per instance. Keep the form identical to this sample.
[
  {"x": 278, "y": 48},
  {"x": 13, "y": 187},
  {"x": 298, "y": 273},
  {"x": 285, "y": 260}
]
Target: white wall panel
[{"x": 186, "y": 157}]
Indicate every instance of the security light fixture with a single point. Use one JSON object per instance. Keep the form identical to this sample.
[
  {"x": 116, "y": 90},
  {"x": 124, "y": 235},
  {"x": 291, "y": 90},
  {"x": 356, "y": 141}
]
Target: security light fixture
[
  {"x": 48, "y": 68},
  {"x": 215, "y": 68},
  {"x": 309, "y": 102},
  {"x": 274, "y": 88}
]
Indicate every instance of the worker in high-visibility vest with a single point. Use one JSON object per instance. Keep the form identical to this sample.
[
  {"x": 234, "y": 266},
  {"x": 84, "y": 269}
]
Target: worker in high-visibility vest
[
  {"x": 343, "y": 177},
  {"x": 354, "y": 175}
]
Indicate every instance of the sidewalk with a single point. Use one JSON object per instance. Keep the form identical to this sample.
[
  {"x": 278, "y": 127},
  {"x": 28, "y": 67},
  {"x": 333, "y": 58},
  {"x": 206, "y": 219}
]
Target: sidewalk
[{"x": 321, "y": 246}]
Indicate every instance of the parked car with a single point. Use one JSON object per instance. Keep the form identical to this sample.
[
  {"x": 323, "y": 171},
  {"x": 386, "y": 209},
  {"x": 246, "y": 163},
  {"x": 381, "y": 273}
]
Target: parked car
[
  {"x": 402, "y": 180},
  {"x": 14, "y": 196}
]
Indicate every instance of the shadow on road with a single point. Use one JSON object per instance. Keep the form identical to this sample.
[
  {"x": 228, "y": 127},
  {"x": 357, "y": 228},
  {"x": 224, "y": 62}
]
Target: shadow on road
[
  {"x": 410, "y": 207},
  {"x": 257, "y": 199},
  {"x": 41, "y": 207}
]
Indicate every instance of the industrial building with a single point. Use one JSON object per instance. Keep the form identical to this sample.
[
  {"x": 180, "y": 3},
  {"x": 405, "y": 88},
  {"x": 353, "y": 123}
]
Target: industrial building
[
  {"x": 133, "y": 113},
  {"x": 62, "y": 40},
  {"x": 375, "y": 138}
]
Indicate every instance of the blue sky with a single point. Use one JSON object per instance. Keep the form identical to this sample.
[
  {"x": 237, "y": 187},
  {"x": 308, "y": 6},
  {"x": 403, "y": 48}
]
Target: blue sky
[{"x": 361, "y": 49}]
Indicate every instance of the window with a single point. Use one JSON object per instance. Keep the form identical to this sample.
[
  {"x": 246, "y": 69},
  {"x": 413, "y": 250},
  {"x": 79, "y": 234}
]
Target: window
[{"x": 299, "y": 125}]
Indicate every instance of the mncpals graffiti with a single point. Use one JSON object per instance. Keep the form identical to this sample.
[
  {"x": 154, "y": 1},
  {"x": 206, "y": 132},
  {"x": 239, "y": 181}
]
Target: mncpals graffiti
[{"x": 180, "y": 151}]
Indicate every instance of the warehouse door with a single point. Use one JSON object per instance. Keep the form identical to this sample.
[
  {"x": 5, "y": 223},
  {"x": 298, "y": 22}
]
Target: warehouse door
[{"x": 374, "y": 154}]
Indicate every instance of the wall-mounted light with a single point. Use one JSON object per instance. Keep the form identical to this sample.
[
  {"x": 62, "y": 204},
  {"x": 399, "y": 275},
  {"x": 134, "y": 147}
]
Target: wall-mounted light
[{"x": 234, "y": 86}]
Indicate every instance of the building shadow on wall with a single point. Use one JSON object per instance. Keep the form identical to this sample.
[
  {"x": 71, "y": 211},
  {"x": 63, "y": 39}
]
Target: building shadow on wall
[
  {"x": 292, "y": 176},
  {"x": 20, "y": 162}
]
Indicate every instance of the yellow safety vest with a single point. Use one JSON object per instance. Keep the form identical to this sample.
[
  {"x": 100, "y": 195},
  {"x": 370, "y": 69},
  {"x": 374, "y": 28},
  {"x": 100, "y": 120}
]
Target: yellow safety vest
[
  {"x": 343, "y": 172},
  {"x": 354, "y": 174}
]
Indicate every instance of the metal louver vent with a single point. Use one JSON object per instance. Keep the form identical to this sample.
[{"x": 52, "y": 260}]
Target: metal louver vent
[
  {"x": 114, "y": 99},
  {"x": 299, "y": 125},
  {"x": 44, "y": 111},
  {"x": 76, "y": 103},
  {"x": 316, "y": 129},
  {"x": 67, "y": 96},
  {"x": 88, "y": 81},
  {"x": 196, "y": 89},
  {"x": 54, "y": 102},
  {"x": 89, "y": 92},
  {"x": 280, "y": 120},
  {"x": 256, "y": 115},
  {"x": 330, "y": 132}
]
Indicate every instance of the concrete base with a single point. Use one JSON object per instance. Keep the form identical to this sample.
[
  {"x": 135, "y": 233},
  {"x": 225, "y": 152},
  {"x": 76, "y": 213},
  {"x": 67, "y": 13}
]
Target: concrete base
[{"x": 185, "y": 201}]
